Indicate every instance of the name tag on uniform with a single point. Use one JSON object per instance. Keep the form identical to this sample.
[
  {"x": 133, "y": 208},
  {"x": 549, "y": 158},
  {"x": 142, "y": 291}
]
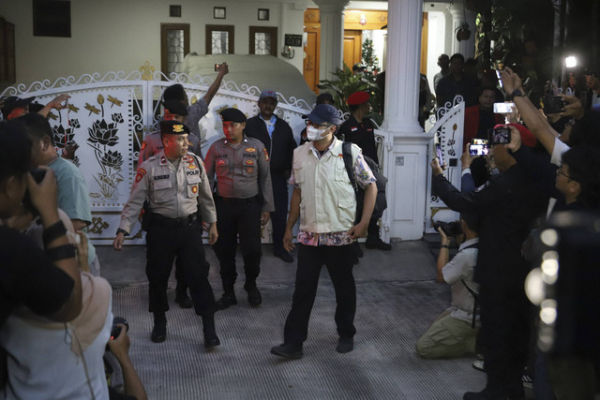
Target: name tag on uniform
[
  {"x": 192, "y": 172},
  {"x": 159, "y": 177}
]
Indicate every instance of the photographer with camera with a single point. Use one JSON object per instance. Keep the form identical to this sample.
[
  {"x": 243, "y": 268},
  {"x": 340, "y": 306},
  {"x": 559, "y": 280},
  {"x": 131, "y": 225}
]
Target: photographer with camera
[
  {"x": 506, "y": 208},
  {"x": 45, "y": 281},
  {"x": 119, "y": 346},
  {"x": 453, "y": 333}
]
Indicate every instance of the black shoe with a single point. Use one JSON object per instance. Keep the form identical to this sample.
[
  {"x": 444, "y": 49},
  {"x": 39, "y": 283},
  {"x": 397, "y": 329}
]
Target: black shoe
[
  {"x": 159, "y": 332},
  {"x": 228, "y": 299},
  {"x": 183, "y": 300},
  {"x": 345, "y": 345},
  {"x": 254, "y": 297},
  {"x": 210, "y": 335},
  {"x": 289, "y": 351},
  {"x": 378, "y": 244},
  {"x": 284, "y": 255}
]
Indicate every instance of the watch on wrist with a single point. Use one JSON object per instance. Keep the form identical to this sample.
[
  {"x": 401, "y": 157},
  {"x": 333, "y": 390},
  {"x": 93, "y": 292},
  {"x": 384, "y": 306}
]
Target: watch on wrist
[
  {"x": 516, "y": 93},
  {"x": 123, "y": 231}
]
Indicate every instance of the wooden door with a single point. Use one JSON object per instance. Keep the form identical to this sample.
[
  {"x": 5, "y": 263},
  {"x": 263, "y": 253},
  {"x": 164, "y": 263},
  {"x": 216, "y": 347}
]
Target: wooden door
[
  {"x": 352, "y": 47},
  {"x": 424, "y": 36},
  {"x": 311, "y": 57}
]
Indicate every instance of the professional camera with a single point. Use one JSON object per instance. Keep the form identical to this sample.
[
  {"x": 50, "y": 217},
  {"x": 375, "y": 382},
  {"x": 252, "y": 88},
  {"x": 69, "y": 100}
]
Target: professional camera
[
  {"x": 38, "y": 175},
  {"x": 116, "y": 329},
  {"x": 449, "y": 228}
]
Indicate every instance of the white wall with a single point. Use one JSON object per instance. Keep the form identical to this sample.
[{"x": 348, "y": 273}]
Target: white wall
[{"x": 112, "y": 35}]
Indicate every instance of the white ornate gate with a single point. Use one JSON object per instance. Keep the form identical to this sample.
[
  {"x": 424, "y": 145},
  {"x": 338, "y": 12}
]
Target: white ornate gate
[
  {"x": 448, "y": 131},
  {"x": 109, "y": 114}
]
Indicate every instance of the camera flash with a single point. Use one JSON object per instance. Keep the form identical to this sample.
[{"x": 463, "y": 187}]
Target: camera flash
[{"x": 570, "y": 62}]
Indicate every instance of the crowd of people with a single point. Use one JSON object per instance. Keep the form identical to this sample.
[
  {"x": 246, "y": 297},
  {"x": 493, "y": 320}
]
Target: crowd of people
[
  {"x": 540, "y": 162},
  {"x": 51, "y": 286},
  {"x": 537, "y": 166}
]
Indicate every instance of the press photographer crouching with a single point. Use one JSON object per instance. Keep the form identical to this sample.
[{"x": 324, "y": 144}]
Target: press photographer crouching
[{"x": 454, "y": 332}]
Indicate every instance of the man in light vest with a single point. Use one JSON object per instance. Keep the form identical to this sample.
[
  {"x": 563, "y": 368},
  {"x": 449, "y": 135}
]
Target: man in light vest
[{"x": 324, "y": 193}]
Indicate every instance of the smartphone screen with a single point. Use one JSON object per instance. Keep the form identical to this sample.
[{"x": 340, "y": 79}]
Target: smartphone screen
[
  {"x": 439, "y": 155},
  {"x": 479, "y": 147},
  {"x": 503, "y": 108}
]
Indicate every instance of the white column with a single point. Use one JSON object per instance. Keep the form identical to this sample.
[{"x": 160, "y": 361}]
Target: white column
[
  {"x": 461, "y": 15},
  {"x": 405, "y": 160},
  {"x": 292, "y": 21},
  {"x": 332, "y": 36}
]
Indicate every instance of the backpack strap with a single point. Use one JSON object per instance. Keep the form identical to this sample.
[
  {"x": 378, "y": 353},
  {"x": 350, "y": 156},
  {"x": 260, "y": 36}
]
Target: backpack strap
[{"x": 347, "y": 154}]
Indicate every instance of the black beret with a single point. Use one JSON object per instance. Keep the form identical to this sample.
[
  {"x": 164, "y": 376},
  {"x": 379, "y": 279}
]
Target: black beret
[
  {"x": 171, "y": 127},
  {"x": 233, "y": 115}
]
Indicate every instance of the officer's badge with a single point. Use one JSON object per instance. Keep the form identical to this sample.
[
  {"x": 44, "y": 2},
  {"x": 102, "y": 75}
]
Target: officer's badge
[
  {"x": 177, "y": 128},
  {"x": 266, "y": 154},
  {"x": 249, "y": 162},
  {"x": 140, "y": 174},
  {"x": 192, "y": 165},
  {"x": 250, "y": 150},
  {"x": 195, "y": 189}
]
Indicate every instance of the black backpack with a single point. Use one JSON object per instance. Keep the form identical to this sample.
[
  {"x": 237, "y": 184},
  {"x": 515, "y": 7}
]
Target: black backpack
[{"x": 380, "y": 201}]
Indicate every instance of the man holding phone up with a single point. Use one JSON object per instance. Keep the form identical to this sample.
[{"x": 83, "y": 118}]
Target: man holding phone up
[{"x": 506, "y": 208}]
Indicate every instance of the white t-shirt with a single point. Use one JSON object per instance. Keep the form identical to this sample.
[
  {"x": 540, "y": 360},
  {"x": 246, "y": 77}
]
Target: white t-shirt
[
  {"x": 461, "y": 268},
  {"x": 42, "y": 366}
]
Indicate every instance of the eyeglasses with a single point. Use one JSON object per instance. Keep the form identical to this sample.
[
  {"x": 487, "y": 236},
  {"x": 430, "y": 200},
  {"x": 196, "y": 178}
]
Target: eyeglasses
[{"x": 559, "y": 171}]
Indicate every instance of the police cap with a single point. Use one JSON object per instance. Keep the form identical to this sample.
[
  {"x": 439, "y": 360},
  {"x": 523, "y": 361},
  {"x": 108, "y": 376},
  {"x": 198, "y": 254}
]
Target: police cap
[
  {"x": 171, "y": 127},
  {"x": 233, "y": 115}
]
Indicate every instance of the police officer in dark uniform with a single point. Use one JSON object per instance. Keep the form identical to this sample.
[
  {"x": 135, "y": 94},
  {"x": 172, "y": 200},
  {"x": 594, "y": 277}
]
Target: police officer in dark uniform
[
  {"x": 359, "y": 129},
  {"x": 176, "y": 186},
  {"x": 244, "y": 199}
]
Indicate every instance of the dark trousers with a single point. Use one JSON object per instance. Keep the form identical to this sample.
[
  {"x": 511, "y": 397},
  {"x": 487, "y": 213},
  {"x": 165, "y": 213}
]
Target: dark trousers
[
  {"x": 279, "y": 216},
  {"x": 238, "y": 216},
  {"x": 504, "y": 336},
  {"x": 163, "y": 243},
  {"x": 180, "y": 277},
  {"x": 339, "y": 261}
]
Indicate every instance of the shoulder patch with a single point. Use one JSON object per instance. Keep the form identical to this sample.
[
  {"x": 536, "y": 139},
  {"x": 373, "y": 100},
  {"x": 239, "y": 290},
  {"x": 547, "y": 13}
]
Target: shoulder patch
[
  {"x": 140, "y": 174},
  {"x": 266, "y": 154}
]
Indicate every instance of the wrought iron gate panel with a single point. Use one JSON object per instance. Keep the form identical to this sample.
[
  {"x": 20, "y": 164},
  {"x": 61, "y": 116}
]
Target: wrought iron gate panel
[
  {"x": 108, "y": 116},
  {"x": 448, "y": 131}
]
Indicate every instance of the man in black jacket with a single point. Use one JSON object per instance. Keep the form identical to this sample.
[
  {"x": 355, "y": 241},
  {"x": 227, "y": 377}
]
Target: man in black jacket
[
  {"x": 506, "y": 208},
  {"x": 279, "y": 142}
]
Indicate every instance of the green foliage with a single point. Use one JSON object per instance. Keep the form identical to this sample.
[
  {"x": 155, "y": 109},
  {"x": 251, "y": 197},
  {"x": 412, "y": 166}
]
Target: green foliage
[{"x": 346, "y": 82}]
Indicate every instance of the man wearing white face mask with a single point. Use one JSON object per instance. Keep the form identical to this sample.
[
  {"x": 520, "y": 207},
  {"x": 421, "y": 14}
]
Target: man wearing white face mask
[{"x": 324, "y": 199}]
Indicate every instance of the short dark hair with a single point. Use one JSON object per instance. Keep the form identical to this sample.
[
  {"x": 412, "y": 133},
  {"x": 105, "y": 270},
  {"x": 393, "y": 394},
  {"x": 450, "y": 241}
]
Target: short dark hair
[
  {"x": 479, "y": 171},
  {"x": 584, "y": 164},
  {"x": 472, "y": 221},
  {"x": 484, "y": 88},
  {"x": 586, "y": 131},
  {"x": 37, "y": 127},
  {"x": 175, "y": 92},
  {"x": 15, "y": 149},
  {"x": 325, "y": 98},
  {"x": 457, "y": 56}
]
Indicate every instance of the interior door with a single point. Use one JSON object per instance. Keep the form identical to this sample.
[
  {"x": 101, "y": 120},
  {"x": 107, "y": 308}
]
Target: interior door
[
  {"x": 352, "y": 47},
  {"x": 311, "y": 57}
]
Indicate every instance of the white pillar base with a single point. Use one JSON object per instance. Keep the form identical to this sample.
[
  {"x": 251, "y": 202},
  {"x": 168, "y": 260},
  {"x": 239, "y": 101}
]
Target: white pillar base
[{"x": 406, "y": 169}]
